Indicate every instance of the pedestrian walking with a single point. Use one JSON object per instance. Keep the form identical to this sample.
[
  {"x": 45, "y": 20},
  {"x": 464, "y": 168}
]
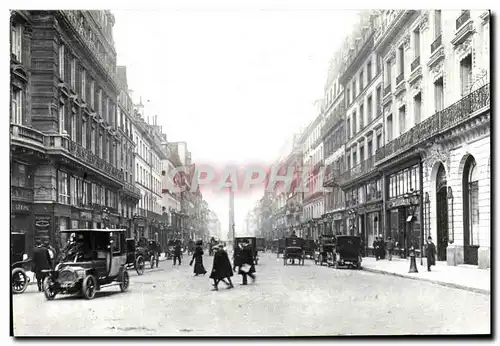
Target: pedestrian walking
[
  {"x": 382, "y": 246},
  {"x": 199, "y": 269},
  {"x": 177, "y": 252},
  {"x": 430, "y": 253},
  {"x": 221, "y": 268},
  {"x": 390, "y": 248},
  {"x": 246, "y": 260},
  {"x": 41, "y": 261},
  {"x": 376, "y": 248},
  {"x": 237, "y": 256}
]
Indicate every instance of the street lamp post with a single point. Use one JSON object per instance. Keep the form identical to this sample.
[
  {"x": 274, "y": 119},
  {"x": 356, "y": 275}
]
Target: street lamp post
[
  {"x": 352, "y": 220},
  {"x": 408, "y": 197}
]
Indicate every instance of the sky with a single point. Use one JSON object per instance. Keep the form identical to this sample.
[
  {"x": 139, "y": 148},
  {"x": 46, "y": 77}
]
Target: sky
[{"x": 234, "y": 84}]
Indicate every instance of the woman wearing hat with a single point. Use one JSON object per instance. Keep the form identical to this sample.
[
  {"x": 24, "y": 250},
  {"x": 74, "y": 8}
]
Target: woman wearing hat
[
  {"x": 221, "y": 268},
  {"x": 199, "y": 269}
]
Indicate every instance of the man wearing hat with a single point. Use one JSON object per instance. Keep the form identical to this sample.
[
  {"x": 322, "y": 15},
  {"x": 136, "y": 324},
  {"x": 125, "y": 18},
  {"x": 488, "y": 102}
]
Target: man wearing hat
[
  {"x": 221, "y": 268},
  {"x": 247, "y": 267},
  {"x": 41, "y": 261}
]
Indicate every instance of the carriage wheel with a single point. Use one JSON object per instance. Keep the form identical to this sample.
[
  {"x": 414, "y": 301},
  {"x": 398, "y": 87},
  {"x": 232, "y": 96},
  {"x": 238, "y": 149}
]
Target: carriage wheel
[
  {"x": 89, "y": 287},
  {"x": 125, "y": 281},
  {"x": 139, "y": 265},
  {"x": 19, "y": 281}
]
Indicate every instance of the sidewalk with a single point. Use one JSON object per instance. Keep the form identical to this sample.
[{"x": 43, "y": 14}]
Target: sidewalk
[{"x": 464, "y": 277}]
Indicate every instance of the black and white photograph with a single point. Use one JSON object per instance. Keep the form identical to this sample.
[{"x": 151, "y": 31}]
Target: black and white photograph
[{"x": 256, "y": 171}]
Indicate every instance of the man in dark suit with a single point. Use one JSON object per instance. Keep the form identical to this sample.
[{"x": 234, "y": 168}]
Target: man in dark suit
[
  {"x": 430, "y": 253},
  {"x": 177, "y": 252},
  {"x": 41, "y": 261},
  {"x": 246, "y": 260}
]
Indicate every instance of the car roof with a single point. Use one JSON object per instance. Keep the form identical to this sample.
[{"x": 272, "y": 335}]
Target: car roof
[{"x": 106, "y": 230}]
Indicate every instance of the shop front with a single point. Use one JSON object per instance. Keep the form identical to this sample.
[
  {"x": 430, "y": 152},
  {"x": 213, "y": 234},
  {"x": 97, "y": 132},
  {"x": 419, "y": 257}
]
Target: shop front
[{"x": 403, "y": 210}]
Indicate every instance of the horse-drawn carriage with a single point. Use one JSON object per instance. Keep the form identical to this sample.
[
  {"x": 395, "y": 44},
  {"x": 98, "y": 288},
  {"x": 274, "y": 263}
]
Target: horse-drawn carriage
[
  {"x": 294, "y": 250},
  {"x": 326, "y": 250},
  {"x": 94, "y": 258},
  {"x": 19, "y": 263}
]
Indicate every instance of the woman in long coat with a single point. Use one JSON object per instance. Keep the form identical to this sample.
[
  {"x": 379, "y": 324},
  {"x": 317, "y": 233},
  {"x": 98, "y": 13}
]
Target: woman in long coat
[
  {"x": 221, "y": 268},
  {"x": 199, "y": 269}
]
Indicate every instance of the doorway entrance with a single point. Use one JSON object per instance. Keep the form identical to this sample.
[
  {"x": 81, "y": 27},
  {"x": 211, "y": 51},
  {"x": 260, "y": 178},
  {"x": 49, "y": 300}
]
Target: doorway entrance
[
  {"x": 442, "y": 214},
  {"x": 470, "y": 188}
]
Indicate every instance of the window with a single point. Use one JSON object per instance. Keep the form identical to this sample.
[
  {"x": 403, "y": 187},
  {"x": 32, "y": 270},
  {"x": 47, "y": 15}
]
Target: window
[
  {"x": 416, "y": 43},
  {"x": 61, "y": 62},
  {"x": 348, "y": 95},
  {"x": 370, "y": 148},
  {"x": 361, "y": 117},
  {"x": 100, "y": 145},
  {"x": 379, "y": 140},
  {"x": 16, "y": 41},
  {"x": 401, "y": 53},
  {"x": 438, "y": 95},
  {"x": 402, "y": 120},
  {"x": 388, "y": 77},
  {"x": 84, "y": 134},
  {"x": 361, "y": 153},
  {"x": 74, "y": 199},
  {"x": 17, "y": 106},
  {"x": 354, "y": 157},
  {"x": 370, "y": 109},
  {"x": 354, "y": 127},
  {"x": 389, "y": 127},
  {"x": 354, "y": 90},
  {"x": 73, "y": 73},
  {"x": 466, "y": 75},
  {"x": 99, "y": 102},
  {"x": 61, "y": 119},
  {"x": 418, "y": 108},
  {"x": 83, "y": 77},
  {"x": 437, "y": 23},
  {"x": 369, "y": 72},
  {"x": 378, "y": 106},
  {"x": 63, "y": 188},
  {"x": 361, "y": 81},
  {"x": 92, "y": 94},
  {"x": 107, "y": 116},
  {"x": 92, "y": 140},
  {"x": 73, "y": 127},
  {"x": 19, "y": 175}
]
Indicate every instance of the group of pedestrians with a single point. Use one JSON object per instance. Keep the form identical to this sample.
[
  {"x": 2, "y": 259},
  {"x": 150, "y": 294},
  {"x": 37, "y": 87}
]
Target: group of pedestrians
[{"x": 243, "y": 264}]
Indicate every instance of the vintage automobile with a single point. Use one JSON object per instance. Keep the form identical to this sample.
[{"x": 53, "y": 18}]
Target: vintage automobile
[
  {"x": 294, "y": 250},
  {"x": 325, "y": 253},
  {"x": 281, "y": 247},
  {"x": 252, "y": 241},
  {"x": 20, "y": 263},
  {"x": 133, "y": 260},
  {"x": 348, "y": 251},
  {"x": 261, "y": 244},
  {"x": 93, "y": 259}
]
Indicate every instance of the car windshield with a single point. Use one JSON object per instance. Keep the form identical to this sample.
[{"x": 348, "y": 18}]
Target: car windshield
[{"x": 84, "y": 246}]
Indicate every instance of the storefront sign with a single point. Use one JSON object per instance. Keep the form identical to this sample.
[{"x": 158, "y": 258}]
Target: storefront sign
[
  {"x": 20, "y": 207},
  {"x": 42, "y": 226}
]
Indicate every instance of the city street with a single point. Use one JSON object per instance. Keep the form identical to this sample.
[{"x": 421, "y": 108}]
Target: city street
[{"x": 284, "y": 301}]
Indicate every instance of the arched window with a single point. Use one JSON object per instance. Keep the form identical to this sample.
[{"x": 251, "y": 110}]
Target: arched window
[{"x": 471, "y": 205}]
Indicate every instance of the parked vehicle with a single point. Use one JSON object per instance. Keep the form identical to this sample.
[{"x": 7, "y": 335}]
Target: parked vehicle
[
  {"x": 19, "y": 262},
  {"x": 326, "y": 250},
  {"x": 294, "y": 250},
  {"x": 95, "y": 258},
  {"x": 348, "y": 252}
]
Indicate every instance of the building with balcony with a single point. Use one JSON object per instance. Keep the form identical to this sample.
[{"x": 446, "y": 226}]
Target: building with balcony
[
  {"x": 361, "y": 75},
  {"x": 333, "y": 134},
  {"x": 312, "y": 159},
  {"x": 435, "y": 162},
  {"x": 149, "y": 154},
  {"x": 130, "y": 194},
  {"x": 64, "y": 131}
]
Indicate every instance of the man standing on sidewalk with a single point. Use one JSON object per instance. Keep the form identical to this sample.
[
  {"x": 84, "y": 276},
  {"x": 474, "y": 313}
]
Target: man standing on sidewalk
[
  {"x": 390, "y": 248},
  {"x": 177, "y": 252},
  {"x": 430, "y": 253}
]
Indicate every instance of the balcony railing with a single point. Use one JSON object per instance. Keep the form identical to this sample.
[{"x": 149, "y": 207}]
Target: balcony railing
[
  {"x": 357, "y": 171},
  {"x": 387, "y": 90},
  {"x": 436, "y": 44},
  {"x": 335, "y": 117},
  {"x": 415, "y": 63},
  {"x": 438, "y": 123},
  {"x": 400, "y": 78},
  {"x": 464, "y": 17},
  {"x": 26, "y": 133},
  {"x": 85, "y": 155},
  {"x": 131, "y": 188},
  {"x": 21, "y": 193}
]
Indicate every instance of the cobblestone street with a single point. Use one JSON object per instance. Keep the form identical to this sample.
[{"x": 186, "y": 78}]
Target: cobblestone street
[{"x": 285, "y": 300}]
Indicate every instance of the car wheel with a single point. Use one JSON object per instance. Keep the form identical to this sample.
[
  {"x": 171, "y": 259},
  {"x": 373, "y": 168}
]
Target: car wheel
[
  {"x": 89, "y": 287},
  {"x": 139, "y": 265},
  {"x": 48, "y": 289},
  {"x": 19, "y": 281},
  {"x": 125, "y": 281}
]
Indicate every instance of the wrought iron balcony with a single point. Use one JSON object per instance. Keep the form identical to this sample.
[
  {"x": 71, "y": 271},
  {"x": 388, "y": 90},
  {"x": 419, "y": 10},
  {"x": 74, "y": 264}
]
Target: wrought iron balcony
[
  {"x": 436, "y": 44},
  {"x": 332, "y": 174},
  {"x": 437, "y": 123},
  {"x": 26, "y": 133},
  {"x": 77, "y": 151},
  {"x": 334, "y": 118},
  {"x": 131, "y": 189},
  {"x": 387, "y": 90},
  {"x": 415, "y": 63},
  {"x": 400, "y": 78},
  {"x": 464, "y": 17},
  {"x": 357, "y": 171}
]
